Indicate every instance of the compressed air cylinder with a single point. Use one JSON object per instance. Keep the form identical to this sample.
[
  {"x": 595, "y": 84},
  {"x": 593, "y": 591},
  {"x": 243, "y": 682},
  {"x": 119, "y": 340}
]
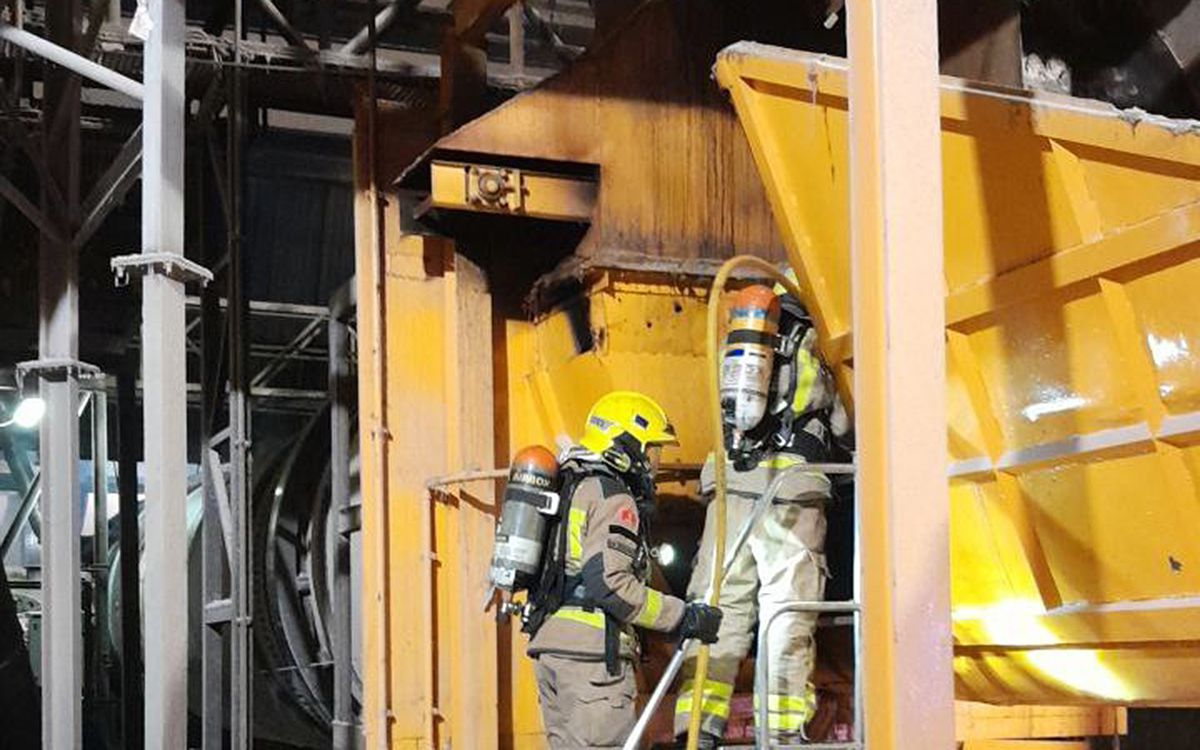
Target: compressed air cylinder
[
  {"x": 530, "y": 502},
  {"x": 749, "y": 351}
]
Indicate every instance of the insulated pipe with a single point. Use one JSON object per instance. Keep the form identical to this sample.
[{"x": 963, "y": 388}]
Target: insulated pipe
[
  {"x": 71, "y": 61},
  {"x": 714, "y": 389},
  {"x": 100, "y": 571}
]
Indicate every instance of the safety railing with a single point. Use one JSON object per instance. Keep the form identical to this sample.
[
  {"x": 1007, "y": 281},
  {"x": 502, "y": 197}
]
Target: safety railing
[
  {"x": 762, "y": 505},
  {"x": 762, "y": 671},
  {"x": 852, "y": 607}
]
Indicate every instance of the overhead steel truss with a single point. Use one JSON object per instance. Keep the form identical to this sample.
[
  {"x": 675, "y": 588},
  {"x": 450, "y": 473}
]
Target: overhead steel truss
[{"x": 107, "y": 55}]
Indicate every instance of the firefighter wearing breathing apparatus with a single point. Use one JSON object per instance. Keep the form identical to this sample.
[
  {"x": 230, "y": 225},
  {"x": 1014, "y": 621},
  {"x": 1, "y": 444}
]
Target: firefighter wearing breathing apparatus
[
  {"x": 780, "y": 408},
  {"x": 582, "y": 521}
]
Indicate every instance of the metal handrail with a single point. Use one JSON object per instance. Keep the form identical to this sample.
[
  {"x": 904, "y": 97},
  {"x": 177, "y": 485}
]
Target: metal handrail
[
  {"x": 761, "y": 505},
  {"x": 762, "y": 668},
  {"x": 832, "y": 745}
]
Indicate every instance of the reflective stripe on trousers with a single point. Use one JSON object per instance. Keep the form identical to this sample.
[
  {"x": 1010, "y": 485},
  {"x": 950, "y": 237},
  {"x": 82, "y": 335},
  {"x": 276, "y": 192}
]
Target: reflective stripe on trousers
[
  {"x": 789, "y": 713},
  {"x": 715, "y": 699},
  {"x": 785, "y": 713},
  {"x": 782, "y": 563}
]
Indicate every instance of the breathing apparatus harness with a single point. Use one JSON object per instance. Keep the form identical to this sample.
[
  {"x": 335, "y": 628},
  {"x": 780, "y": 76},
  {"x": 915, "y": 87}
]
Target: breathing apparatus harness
[
  {"x": 620, "y": 468},
  {"x": 782, "y": 428}
]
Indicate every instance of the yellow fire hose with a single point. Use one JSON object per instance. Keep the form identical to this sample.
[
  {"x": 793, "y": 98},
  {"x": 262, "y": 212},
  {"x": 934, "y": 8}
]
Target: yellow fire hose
[{"x": 715, "y": 326}]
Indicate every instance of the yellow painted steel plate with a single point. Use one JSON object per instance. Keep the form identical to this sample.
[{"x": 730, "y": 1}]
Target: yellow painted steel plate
[{"x": 1072, "y": 240}]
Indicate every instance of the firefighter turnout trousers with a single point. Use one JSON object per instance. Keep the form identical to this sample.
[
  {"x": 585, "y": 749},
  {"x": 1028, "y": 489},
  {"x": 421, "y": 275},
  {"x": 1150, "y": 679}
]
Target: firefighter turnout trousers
[
  {"x": 782, "y": 562},
  {"x": 585, "y": 704}
]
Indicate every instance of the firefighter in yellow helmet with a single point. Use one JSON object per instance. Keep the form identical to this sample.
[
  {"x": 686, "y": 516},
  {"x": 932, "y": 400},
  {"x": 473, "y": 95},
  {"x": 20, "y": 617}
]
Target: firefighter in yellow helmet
[
  {"x": 594, "y": 588},
  {"x": 783, "y": 560}
]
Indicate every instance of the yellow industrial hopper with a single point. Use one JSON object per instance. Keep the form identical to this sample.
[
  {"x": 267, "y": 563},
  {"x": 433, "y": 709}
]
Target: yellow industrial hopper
[{"x": 1072, "y": 236}]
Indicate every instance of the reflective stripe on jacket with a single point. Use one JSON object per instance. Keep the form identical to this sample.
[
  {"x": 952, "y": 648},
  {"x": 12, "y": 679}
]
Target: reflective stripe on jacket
[{"x": 606, "y": 553}]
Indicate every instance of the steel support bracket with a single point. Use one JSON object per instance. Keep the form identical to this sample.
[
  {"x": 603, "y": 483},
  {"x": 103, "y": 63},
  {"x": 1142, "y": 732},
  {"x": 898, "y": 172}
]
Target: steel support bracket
[
  {"x": 219, "y": 612},
  {"x": 496, "y": 188},
  {"x": 167, "y": 264},
  {"x": 350, "y": 520},
  {"x": 56, "y": 369},
  {"x": 569, "y": 195},
  {"x": 93, "y": 382}
]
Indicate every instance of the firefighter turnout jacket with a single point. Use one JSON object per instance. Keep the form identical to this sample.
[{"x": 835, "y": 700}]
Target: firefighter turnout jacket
[{"x": 607, "y": 568}]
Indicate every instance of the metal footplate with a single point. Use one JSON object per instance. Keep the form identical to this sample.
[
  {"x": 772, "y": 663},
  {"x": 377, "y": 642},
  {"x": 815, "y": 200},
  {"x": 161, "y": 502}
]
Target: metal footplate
[{"x": 171, "y": 265}]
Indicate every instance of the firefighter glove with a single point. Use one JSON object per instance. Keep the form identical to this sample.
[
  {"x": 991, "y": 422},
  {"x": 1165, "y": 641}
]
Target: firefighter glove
[{"x": 701, "y": 622}]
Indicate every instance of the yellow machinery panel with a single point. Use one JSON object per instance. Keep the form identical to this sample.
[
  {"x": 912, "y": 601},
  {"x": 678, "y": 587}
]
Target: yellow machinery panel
[
  {"x": 1072, "y": 241},
  {"x": 1072, "y": 256},
  {"x": 644, "y": 333},
  {"x": 626, "y": 330}
]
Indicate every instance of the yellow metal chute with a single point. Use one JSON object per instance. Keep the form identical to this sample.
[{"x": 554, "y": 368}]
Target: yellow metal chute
[{"x": 1072, "y": 236}]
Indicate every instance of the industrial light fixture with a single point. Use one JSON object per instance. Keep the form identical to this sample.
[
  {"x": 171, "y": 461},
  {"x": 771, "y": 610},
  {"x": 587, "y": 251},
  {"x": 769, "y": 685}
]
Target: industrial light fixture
[
  {"x": 666, "y": 554},
  {"x": 27, "y": 414}
]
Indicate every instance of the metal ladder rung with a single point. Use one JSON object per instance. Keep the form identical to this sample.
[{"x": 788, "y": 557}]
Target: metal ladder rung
[{"x": 835, "y": 607}]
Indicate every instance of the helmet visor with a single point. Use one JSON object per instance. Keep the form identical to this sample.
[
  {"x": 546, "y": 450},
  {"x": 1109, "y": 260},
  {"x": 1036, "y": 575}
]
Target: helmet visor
[{"x": 664, "y": 436}]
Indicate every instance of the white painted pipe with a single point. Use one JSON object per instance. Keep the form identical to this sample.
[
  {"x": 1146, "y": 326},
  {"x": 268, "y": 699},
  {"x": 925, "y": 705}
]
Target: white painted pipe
[
  {"x": 383, "y": 20},
  {"x": 71, "y": 61}
]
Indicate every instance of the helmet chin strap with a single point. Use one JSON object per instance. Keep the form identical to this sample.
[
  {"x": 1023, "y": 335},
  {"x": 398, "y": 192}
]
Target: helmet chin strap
[
  {"x": 645, "y": 496},
  {"x": 627, "y": 458},
  {"x": 619, "y": 459}
]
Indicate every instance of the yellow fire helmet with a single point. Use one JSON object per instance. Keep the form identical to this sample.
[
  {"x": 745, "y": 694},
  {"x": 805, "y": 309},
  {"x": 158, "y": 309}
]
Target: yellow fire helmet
[{"x": 626, "y": 413}]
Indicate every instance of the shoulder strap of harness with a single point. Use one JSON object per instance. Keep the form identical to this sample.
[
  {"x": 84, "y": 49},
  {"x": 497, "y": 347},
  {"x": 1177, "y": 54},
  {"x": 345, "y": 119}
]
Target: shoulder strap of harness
[
  {"x": 610, "y": 485},
  {"x": 553, "y": 588}
]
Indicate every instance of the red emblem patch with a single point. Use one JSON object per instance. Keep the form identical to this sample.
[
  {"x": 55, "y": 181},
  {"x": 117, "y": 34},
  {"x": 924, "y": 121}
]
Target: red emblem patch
[{"x": 627, "y": 518}]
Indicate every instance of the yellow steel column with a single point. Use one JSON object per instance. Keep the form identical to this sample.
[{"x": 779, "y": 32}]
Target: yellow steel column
[
  {"x": 402, "y": 429},
  {"x": 426, "y": 391},
  {"x": 465, "y": 516},
  {"x": 899, "y": 373},
  {"x": 372, "y": 376}
]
